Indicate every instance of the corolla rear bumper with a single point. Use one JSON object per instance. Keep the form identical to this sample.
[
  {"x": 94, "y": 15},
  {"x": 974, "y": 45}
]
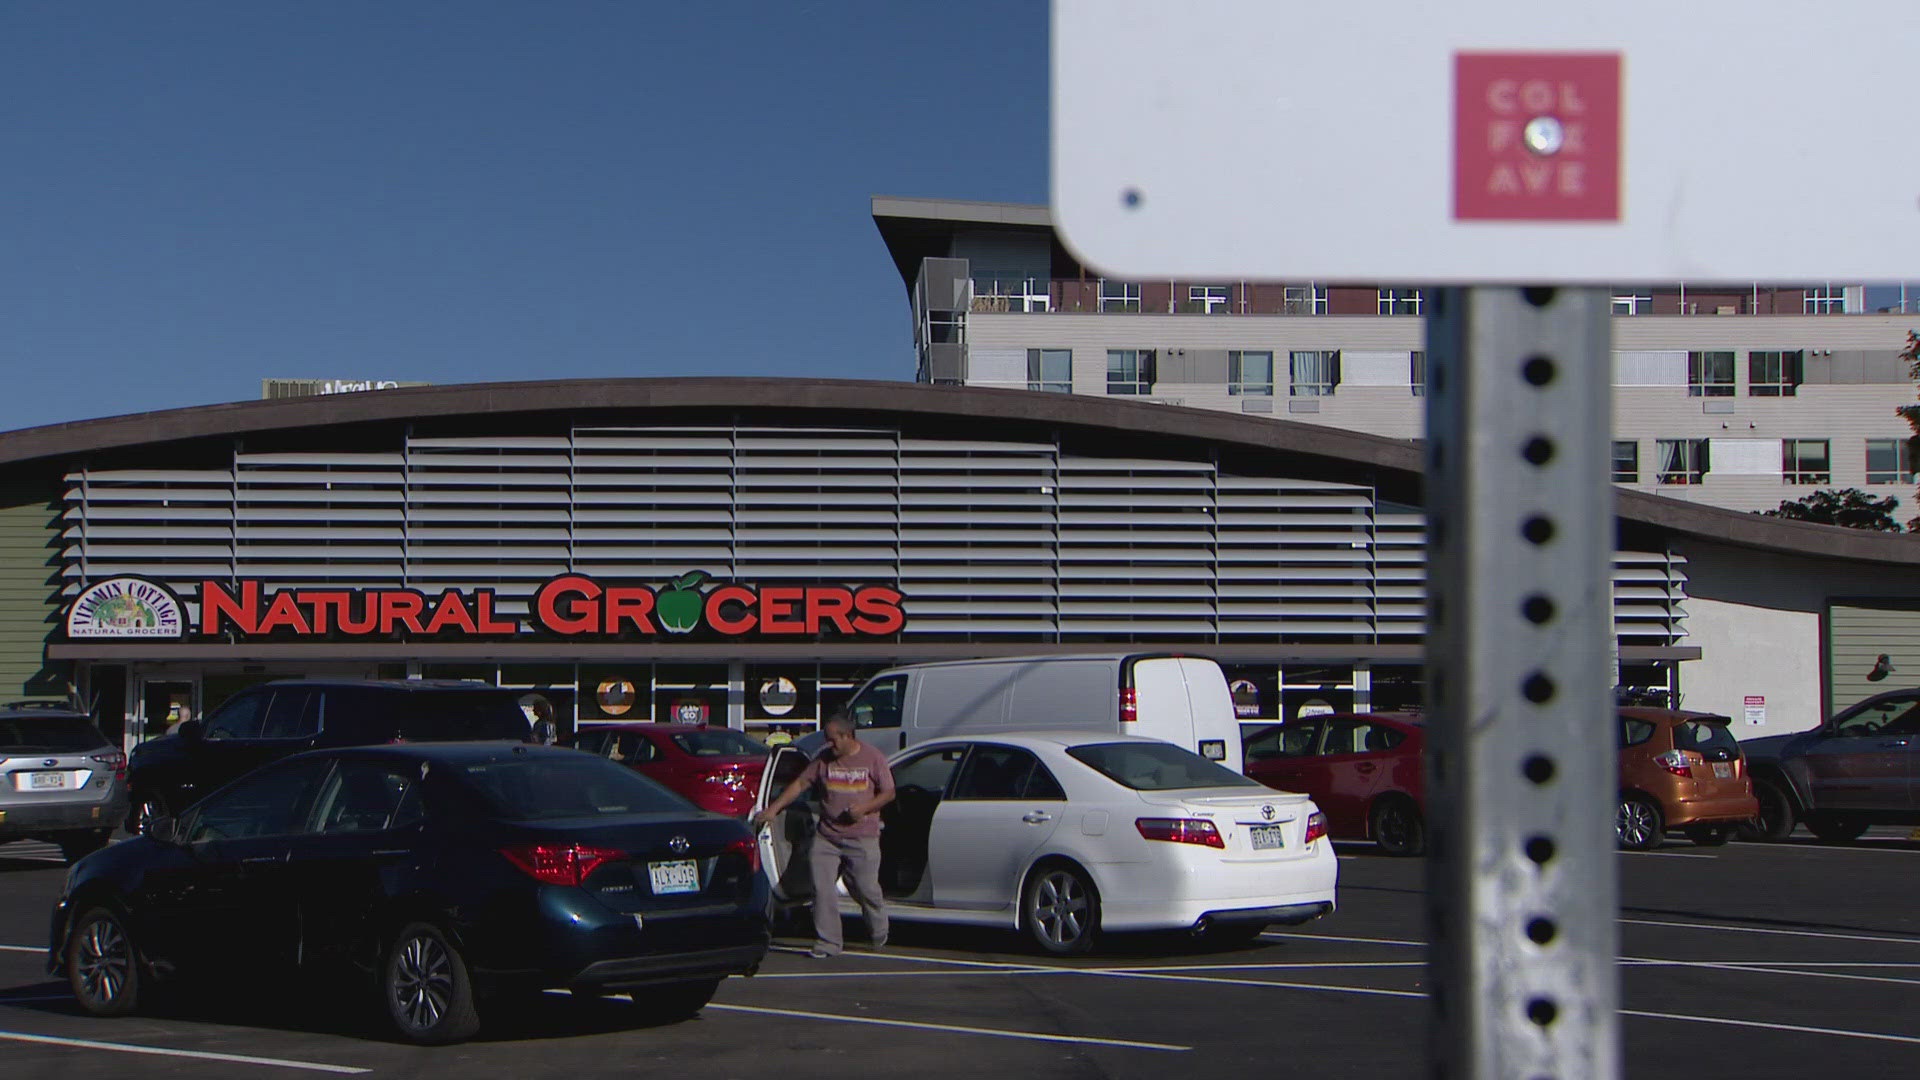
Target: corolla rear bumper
[{"x": 635, "y": 971}]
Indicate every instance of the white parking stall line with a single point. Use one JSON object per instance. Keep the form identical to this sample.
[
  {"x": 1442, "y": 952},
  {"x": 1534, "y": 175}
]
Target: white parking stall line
[
  {"x": 1764, "y": 969},
  {"x": 23, "y": 948},
  {"x": 1364, "y": 991},
  {"x": 31, "y": 1000},
  {"x": 1670, "y": 854},
  {"x": 1693, "y": 1018},
  {"x": 1335, "y": 937},
  {"x": 958, "y": 1029},
  {"x": 197, "y": 1055},
  {"x": 1772, "y": 931},
  {"x": 1047, "y": 970}
]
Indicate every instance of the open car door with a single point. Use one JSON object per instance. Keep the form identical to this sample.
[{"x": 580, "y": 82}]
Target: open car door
[{"x": 786, "y": 841}]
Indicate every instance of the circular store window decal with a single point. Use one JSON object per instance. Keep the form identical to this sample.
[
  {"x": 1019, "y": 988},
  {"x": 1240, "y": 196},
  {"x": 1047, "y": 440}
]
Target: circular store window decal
[
  {"x": 778, "y": 695},
  {"x": 1246, "y": 697},
  {"x": 689, "y": 711},
  {"x": 615, "y": 697}
]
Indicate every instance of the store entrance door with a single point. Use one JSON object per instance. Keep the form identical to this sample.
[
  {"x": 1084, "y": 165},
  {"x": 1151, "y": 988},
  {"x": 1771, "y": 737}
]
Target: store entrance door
[{"x": 160, "y": 703}]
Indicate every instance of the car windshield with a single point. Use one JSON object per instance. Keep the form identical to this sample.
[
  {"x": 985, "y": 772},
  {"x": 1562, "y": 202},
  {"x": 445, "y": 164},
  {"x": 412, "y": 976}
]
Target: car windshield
[
  {"x": 549, "y": 786},
  {"x": 48, "y": 735},
  {"x": 1709, "y": 736},
  {"x": 1146, "y": 766},
  {"x": 718, "y": 742},
  {"x": 441, "y": 715}
]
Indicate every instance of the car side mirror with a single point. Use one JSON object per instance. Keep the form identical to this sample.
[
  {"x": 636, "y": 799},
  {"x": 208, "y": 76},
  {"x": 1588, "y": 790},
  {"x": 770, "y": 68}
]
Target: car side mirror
[
  {"x": 190, "y": 731},
  {"x": 163, "y": 830}
]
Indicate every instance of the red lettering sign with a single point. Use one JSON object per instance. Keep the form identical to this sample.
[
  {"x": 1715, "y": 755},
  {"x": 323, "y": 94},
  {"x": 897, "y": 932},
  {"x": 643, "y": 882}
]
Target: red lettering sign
[{"x": 1536, "y": 137}]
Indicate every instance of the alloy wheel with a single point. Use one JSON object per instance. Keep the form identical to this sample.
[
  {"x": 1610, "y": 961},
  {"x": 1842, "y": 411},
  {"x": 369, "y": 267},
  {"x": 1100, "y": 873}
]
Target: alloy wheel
[
  {"x": 103, "y": 963},
  {"x": 422, "y": 982},
  {"x": 1635, "y": 823},
  {"x": 1060, "y": 907}
]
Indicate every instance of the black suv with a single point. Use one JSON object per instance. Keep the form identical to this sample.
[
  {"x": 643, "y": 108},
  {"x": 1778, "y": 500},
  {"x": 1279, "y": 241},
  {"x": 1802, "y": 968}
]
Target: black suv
[
  {"x": 1860, "y": 768},
  {"x": 279, "y": 719},
  {"x": 60, "y": 779}
]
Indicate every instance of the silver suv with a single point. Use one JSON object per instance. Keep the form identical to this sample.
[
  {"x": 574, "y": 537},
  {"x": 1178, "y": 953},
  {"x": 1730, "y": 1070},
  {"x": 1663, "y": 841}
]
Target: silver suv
[{"x": 61, "y": 780}]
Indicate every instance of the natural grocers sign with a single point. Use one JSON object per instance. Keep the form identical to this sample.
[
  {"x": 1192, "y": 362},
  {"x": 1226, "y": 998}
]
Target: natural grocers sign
[{"x": 573, "y": 605}]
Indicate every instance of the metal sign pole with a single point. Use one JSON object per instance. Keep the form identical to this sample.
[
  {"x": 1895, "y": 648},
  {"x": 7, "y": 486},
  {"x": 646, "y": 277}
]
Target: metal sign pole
[{"x": 1523, "y": 892}]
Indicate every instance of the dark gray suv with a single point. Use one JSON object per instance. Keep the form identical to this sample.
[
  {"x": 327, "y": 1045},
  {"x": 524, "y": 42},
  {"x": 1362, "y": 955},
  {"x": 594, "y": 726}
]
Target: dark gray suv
[
  {"x": 1860, "y": 768},
  {"x": 61, "y": 780}
]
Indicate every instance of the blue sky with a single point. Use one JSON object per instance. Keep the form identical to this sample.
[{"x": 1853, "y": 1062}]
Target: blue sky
[{"x": 199, "y": 195}]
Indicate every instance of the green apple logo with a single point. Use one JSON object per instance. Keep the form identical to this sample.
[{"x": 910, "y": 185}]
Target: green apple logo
[{"x": 679, "y": 604}]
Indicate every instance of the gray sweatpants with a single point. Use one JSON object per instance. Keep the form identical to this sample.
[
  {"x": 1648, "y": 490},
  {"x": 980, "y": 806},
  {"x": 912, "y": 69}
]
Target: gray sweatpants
[{"x": 859, "y": 860}]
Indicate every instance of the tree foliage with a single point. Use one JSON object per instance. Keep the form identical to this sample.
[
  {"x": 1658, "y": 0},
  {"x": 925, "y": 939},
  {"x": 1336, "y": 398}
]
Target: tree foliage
[{"x": 1852, "y": 508}]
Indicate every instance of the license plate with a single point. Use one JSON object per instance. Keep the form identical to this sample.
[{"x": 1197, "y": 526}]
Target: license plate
[
  {"x": 681, "y": 875},
  {"x": 1213, "y": 749},
  {"x": 1266, "y": 837},
  {"x": 1723, "y": 769},
  {"x": 46, "y": 780}
]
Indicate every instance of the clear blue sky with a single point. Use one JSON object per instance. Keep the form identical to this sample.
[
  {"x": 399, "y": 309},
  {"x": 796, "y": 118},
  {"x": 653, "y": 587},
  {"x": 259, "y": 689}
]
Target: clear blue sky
[{"x": 197, "y": 195}]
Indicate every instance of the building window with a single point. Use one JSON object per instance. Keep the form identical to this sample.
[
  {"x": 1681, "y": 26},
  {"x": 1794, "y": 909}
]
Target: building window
[
  {"x": 1631, "y": 304},
  {"x": 1250, "y": 373},
  {"x": 1050, "y": 369},
  {"x": 1130, "y": 371},
  {"x": 1209, "y": 299},
  {"x": 1313, "y": 373},
  {"x": 1825, "y": 300},
  {"x": 1418, "y": 376},
  {"x": 1805, "y": 461},
  {"x": 1773, "y": 374},
  {"x": 1626, "y": 461},
  {"x": 1399, "y": 301},
  {"x": 1710, "y": 374},
  {"x": 1889, "y": 461},
  {"x": 1682, "y": 461},
  {"x": 1304, "y": 300},
  {"x": 1119, "y": 296}
]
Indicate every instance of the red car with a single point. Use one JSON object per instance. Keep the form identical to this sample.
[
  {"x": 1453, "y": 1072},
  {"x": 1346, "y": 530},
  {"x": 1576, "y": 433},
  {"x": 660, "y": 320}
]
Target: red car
[
  {"x": 1363, "y": 769},
  {"x": 716, "y": 769}
]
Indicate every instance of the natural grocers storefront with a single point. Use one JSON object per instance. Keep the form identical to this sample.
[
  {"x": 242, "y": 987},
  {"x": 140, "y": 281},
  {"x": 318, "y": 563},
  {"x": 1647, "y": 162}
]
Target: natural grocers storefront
[{"x": 747, "y": 551}]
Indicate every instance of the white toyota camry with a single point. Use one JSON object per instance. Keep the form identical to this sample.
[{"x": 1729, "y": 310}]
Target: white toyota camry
[{"x": 1063, "y": 835}]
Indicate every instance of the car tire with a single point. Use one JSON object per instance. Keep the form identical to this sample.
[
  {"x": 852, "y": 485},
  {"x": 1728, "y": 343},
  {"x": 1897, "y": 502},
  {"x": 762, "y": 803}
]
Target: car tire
[
  {"x": 145, "y": 809},
  {"x": 103, "y": 967},
  {"x": 75, "y": 846},
  {"x": 1059, "y": 909},
  {"x": 1835, "y": 828},
  {"x": 1397, "y": 827},
  {"x": 1777, "y": 817},
  {"x": 1710, "y": 835},
  {"x": 426, "y": 989},
  {"x": 1638, "y": 824},
  {"x": 674, "y": 1002}
]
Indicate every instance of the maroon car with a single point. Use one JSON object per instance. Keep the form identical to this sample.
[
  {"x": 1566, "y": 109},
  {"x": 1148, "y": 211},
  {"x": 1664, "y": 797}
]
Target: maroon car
[
  {"x": 1363, "y": 769},
  {"x": 716, "y": 769}
]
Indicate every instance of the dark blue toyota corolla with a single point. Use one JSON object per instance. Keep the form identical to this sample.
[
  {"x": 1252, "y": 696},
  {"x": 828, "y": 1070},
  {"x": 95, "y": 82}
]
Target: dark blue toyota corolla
[{"x": 442, "y": 874}]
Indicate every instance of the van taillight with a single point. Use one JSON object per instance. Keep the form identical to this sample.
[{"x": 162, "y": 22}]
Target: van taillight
[
  {"x": 1180, "y": 831},
  {"x": 1675, "y": 762},
  {"x": 1129, "y": 705}
]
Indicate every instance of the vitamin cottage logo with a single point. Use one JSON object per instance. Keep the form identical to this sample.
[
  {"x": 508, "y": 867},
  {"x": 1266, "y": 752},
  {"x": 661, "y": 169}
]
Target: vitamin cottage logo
[
  {"x": 571, "y": 605},
  {"x": 124, "y": 608}
]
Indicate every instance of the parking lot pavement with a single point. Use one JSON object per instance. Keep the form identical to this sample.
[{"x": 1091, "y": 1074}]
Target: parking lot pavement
[{"x": 1743, "y": 961}]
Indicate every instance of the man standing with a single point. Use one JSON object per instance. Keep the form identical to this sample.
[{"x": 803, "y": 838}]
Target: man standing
[{"x": 853, "y": 782}]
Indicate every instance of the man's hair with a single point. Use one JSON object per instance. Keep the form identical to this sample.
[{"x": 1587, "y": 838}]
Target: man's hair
[{"x": 839, "y": 720}]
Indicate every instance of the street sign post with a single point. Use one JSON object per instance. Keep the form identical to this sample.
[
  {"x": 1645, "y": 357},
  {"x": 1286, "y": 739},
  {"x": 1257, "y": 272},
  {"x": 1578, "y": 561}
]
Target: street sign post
[{"x": 1498, "y": 143}]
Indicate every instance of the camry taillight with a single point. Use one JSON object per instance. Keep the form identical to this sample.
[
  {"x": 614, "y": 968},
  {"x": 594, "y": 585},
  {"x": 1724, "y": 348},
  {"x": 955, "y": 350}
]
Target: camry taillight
[
  {"x": 559, "y": 864},
  {"x": 749, "y": 847},
  {"x": 1316, "y": 827},
  {"x": 1180, "y": 831},
  {"x": 1675, "y": 762},
  {"x": 115, "y": 760}
]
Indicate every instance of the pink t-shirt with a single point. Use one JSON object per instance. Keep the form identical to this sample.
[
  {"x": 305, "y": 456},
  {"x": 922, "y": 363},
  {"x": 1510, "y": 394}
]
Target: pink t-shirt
[{"x": 843, "y": 783}]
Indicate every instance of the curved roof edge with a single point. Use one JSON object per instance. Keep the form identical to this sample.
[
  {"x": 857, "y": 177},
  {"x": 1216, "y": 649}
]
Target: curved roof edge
[{"x": 1403, "y": 457}]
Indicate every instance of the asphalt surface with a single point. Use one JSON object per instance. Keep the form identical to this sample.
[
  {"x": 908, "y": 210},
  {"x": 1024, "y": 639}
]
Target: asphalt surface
[{"x": 1751, "y": 960}]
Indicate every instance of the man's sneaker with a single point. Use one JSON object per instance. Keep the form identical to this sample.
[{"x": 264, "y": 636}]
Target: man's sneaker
[
  {"x": 819, "y": 953},
  {"x": 879, "y": 945}
]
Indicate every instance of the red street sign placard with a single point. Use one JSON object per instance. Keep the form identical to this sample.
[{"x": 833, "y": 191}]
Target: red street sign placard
[{"x": 1536, "y": 137}]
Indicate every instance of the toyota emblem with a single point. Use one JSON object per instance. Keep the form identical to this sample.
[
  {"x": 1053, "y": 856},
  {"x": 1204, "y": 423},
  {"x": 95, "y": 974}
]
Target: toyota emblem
[
  {"x": 1267, "y": 811},
  {"x": 679, "y": 845}
]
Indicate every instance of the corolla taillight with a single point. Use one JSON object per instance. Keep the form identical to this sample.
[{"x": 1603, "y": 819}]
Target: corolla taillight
[
  {"x": 749, "y": 847},
  {"x": 559, "y": 864},
  {"x": 1316, "y": 827},
  {"x": 1675, "y": 762},
  {"x": 1180, "y": 831},
  {"x": 115, "y": 760}
]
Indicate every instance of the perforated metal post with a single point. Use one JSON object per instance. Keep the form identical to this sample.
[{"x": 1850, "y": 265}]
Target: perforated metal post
[{"x": 1522, "y": 891}]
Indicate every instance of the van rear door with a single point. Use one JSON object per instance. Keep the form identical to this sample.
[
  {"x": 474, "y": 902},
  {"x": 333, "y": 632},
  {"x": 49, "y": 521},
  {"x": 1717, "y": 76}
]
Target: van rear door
[
  {"x": 1184, "y": 700},
  {"x": 1214, "y": 721}
]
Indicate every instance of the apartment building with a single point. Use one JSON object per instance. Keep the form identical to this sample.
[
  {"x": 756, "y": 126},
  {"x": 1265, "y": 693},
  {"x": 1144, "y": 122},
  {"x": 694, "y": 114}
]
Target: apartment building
[{"x": 1735, "y": 396}]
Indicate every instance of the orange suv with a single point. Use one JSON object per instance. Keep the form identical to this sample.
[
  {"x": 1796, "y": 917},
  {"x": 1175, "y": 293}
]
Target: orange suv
[{"x": 1680, "y": 770}]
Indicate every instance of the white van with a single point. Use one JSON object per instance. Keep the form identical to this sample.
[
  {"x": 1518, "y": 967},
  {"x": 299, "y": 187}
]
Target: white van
[{"x": 1179, "y": 699}]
